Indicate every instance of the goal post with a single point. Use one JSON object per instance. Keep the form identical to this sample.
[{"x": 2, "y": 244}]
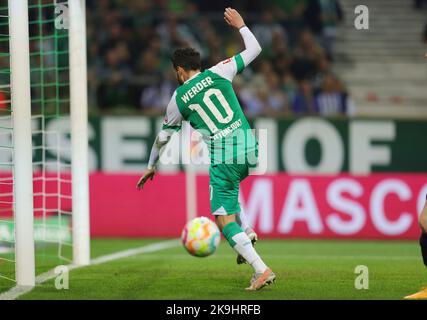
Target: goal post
[
  {"x": 79, "y": 131},
  {"x": 22, "y": 139},
  {"x": 190, "y": 177},
  {"x": 48, "y": 104}
]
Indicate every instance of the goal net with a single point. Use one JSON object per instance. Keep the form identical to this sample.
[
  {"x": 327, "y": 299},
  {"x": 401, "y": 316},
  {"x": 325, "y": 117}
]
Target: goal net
[{"x": 57, "y": 212}]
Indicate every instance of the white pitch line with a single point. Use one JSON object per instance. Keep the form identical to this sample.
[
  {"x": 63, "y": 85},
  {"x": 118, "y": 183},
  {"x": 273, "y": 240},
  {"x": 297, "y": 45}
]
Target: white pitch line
[
  {"x": 133, "y": 252},
  {"x": 17, "y": 291}
]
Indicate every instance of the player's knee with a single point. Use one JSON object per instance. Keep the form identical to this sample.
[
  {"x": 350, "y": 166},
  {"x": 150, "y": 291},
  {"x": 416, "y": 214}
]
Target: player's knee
[
  {"x": 222, "y": 221},
  {"x": 219, "y": 225},
  {"x": 219, "y": 222}
]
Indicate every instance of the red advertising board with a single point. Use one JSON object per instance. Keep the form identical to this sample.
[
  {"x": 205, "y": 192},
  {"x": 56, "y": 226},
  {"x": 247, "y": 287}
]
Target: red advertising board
[
  {"x": 375, "y": 207},
  {"x": 118, "y": 209},
  {"x": 378, "y": 206}
]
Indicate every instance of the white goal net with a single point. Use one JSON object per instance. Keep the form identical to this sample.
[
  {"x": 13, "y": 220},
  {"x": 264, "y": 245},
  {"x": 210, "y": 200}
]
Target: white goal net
[{"x": 52, "y": 202}]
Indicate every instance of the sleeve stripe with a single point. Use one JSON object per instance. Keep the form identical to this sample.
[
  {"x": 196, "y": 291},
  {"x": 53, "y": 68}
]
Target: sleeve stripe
[
  {"x": 239, "y": 62},
  {"x": 176, "y": 128}
]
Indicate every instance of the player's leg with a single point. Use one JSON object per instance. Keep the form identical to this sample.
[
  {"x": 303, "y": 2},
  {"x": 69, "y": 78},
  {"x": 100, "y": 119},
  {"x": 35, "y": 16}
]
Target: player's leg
[
  {"x": 423, "y": 243},
  {"x": 241, "y": 243},
  {"x": 224, "y": 184},
  {"x": 242, "y": 222},
  {"x": 243, "y": 172}
]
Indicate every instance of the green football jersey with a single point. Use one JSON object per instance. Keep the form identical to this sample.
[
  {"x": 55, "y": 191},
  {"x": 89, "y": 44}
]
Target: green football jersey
[{"x": 208, "y": 102}]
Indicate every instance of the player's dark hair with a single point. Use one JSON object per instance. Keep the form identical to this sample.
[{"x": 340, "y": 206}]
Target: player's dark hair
[{"x": 186, "y": 58}]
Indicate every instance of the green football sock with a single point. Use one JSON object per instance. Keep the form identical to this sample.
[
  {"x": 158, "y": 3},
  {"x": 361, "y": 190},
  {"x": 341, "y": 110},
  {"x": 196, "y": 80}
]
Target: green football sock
[{"x": 230, "y": 230}]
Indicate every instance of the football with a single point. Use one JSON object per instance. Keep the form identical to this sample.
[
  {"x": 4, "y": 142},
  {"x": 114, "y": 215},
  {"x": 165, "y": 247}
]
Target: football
[{"x": 200, "y": 237}]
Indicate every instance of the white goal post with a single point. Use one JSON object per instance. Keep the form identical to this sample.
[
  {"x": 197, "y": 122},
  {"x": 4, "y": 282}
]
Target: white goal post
[
  {"x": 79, "y": 131},
  {"x": 22, "y": 137},
  {"x": 22, "y": 153}
]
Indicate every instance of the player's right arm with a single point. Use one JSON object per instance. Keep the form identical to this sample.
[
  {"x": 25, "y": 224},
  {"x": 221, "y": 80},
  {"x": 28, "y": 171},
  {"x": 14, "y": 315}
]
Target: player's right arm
[
  {"x": 171, "y": 123},
  {"x": 230, "y": 67}
]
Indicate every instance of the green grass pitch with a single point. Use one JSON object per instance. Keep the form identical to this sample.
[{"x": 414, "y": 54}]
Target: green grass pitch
[{"x": 305, "y": 269}]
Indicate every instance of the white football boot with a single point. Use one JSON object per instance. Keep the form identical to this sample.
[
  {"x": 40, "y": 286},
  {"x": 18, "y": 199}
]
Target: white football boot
[{"x": 260, "y": 280}]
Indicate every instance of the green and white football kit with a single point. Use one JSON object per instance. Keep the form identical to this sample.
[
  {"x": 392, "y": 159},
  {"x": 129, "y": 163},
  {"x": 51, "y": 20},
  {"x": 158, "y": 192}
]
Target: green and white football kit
[{"x": 208, "y": 102}]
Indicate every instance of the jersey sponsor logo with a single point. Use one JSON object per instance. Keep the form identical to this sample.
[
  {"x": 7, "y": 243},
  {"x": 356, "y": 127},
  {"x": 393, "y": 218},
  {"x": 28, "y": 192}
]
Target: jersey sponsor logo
[
  {"x": 199, "y": 86},
  {"x": 226, "y": 61}
]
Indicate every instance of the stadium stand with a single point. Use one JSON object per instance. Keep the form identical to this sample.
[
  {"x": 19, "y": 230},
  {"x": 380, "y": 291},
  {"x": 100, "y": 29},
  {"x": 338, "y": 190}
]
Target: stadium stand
[
  {"x": 384, "y": 66},
  {"x": 308, "y": 65},
  {"x": 288, "y": 76}
]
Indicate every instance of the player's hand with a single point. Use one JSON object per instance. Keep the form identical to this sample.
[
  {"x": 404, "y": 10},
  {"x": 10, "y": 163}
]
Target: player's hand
[
  {"x": 233, "y": 18},
  {"x": 149, "y": 174}
]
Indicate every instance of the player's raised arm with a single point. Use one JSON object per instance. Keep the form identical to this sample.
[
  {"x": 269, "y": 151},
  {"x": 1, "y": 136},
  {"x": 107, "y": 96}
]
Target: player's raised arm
[
  {"x": 171, "y": 123},
  {"x": 252, "y": 47},
  {"x": 230, "y": 67}
]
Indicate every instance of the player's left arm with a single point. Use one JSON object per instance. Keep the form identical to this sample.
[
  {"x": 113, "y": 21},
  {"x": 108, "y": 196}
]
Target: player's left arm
[{"x": 172, "y": 123}]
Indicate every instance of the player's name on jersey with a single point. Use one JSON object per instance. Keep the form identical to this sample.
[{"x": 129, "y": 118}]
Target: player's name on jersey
[
  {"x": 226, "y": 131},
  {"x": 199, "y": 86}
]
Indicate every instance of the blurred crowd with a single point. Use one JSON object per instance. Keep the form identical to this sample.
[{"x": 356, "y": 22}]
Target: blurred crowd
[
  {"x": 130, "y": 44},
  {"x": 420, "y": 4}
]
